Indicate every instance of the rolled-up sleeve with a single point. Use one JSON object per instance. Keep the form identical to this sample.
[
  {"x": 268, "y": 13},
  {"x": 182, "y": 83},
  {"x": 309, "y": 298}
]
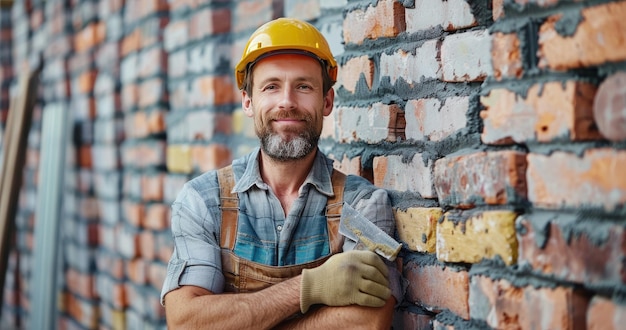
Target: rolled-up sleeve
[{"x": 196, "y": 257}]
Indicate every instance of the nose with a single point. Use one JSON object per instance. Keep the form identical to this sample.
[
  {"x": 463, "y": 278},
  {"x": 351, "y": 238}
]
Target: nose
[{"x": 288, "y": 99}]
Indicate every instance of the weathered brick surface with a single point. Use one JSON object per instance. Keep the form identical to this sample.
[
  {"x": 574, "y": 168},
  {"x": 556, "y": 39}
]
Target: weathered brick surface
[
  {"x": 426, "y": 289},
  {"x": 492, "y": 178},
  {"x": 504, "y": 305},
  {"x": 471, "y": 236},
  {"x": 429, "y": 119},
  {"x": 575, "y": 251},
  {"x": 379, "y": 122},
  {"x": 354, "y": 70},
  {"x": 449, "y": 15},
  {"x": 386, "y": 19},
  {"x": 466, "y": 56},
  {"x": 605, "y": 314},
  {"x": 413, "y": 67},
  {"x": 417, "y": 227},
  {"x": 550, "y": 111},
  {"x": 599, "y": 180},
  {"x": 506, "y": 55},
  {"x": 394, "y": 172},
  {"x": 598, "y": 37},
  {"x": 152, "y": 103}
]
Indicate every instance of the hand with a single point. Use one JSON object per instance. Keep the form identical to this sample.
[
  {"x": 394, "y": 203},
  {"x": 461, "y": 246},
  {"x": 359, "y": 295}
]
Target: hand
[{"x": 353, "y": 277}]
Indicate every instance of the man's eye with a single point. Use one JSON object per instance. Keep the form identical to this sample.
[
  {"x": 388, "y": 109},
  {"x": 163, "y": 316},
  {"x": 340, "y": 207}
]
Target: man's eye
[
  {"x": 269, "y": 87},
  {"x": 304, "y": 87}
]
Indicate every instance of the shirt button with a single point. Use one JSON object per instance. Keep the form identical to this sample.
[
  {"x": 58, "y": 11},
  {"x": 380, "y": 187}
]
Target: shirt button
[{"x": 279, "y": 227}]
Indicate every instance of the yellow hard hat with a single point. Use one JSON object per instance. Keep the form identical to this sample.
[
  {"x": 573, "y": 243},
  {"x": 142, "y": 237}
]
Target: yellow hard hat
[{"x": 285, "y": 35}]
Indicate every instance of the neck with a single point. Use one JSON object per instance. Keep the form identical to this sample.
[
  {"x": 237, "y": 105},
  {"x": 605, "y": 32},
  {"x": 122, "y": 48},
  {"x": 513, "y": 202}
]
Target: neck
[{"x": 285, "y": 177}]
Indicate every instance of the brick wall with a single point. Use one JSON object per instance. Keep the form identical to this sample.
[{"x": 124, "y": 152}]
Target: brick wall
[{"x": 498, "y": 128}]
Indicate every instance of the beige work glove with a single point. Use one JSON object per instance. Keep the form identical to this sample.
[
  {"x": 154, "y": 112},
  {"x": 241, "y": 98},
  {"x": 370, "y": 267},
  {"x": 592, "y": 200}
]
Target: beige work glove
[{"x": 348, "y": 278}]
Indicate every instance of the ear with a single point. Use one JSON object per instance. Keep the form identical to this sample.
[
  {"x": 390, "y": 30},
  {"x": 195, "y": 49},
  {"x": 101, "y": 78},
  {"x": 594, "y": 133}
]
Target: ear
[
  {"x": 329, "y": 101},
  {"x": 246, "y": 104}
]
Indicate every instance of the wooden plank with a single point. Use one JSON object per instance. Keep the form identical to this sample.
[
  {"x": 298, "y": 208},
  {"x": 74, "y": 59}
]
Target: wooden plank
[{"x": 16, "y": 135}]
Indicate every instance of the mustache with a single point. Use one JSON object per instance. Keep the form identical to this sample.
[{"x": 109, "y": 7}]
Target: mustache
[{"x": 282, "y": 114}]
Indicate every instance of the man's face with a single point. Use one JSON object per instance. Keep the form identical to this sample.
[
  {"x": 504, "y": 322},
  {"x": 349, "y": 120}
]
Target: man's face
[{"x": 288, "y": 105}]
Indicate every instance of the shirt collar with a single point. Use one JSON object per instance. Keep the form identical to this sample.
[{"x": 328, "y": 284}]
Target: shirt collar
[{"x": 318, "y": 177}]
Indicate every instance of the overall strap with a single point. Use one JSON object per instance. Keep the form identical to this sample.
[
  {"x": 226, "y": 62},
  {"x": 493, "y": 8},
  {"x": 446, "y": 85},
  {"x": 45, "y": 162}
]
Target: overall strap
[
  {"x": 333, "y": 212},
  {"x": 229, "y": 204}
]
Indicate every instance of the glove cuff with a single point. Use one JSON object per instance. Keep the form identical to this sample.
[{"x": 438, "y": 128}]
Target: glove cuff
[{"x": 307, "y": 290}]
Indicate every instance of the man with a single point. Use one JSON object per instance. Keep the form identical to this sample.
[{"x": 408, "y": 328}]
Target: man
[{"x": 265, "y": 228}]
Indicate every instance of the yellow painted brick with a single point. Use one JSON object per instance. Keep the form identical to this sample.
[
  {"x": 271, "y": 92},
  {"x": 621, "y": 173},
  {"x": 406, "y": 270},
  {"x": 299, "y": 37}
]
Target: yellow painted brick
[
  {"x": 470, "y": 237},
  {"x": 417, "y": 227},
  {"x": 118, "y": 320},
  {"x": 179, "y": 159},
  {"x": 243, "y": 124}
]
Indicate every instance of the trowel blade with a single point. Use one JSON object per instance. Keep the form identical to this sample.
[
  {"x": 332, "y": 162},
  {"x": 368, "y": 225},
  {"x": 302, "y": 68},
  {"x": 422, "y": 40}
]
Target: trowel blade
[{"x": 358, "y": 228}]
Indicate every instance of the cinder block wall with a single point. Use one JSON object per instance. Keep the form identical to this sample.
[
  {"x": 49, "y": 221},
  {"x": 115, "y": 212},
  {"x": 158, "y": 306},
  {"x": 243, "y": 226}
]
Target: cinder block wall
[{"x": 498, "y": 128}]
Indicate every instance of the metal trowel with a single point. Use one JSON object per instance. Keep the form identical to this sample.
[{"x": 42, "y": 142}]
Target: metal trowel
[{"x": 366, "y": 234}]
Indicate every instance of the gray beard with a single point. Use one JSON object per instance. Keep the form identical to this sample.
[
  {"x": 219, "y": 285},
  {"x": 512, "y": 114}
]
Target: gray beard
[{"x": 296, "y": 148}]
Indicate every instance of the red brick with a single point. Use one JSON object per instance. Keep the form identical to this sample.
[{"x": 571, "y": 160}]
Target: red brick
[
  {"x": 90, "y": 36},
  {"x": 210, "y": 157},
  {"x": 147, "y": 245},
  {"x": 129, "y": 97},
  {"x": 182, "y": 5},
  {"x": 609, "y": 107},
  {"x": 151, "y": 31},
  {"x": 563, "y": 179},
  {"x": 550, "y": 111},
  {"x": 492, "y": 178},
  {"x": 386, "y": 19},
  {"x": 133, "y": 212},
  {"x": 156, "y": 121},
  {"x": 137, "y": 271},
  {"x": 604, "y": 314},
  {"x": 131, "y": 43},
  {"x": 375, "y": 123},
  {"x": 250, "y": 14},
  {"x": 571, "y": 252},
  {"x": 157, "y": 217},
  {"x": 86, "y": 81},
  {"x": 152, "y": 91},
  {"x": 351, "y": 73},
  {"x": 497, "y": 10},
  {"x": 598, "y": 38},
  {"x": 80, "y": 284},
  {"x": 394, "y": 172},
  {"x": 506, "y": 55},
  {"x": 349, "y": 165},
  {"x": 152, "y": 61},
  {"x": 136, "y": 125},
  {"x": 152, "y": 187},
  {"x": 208, "y": 22},
  {"x": 111, "y": 265},
  {"x": 84, "y": 156},
  {"x": 176, "y": 34},
  {"x": 156, "y": 274},
  {"x": 211, "y": 90},
  {"x": 416, "y": 321},
  {"x": 431, "y": 120},
  {"x": 428, "y": 291},
  {"x": 505, "y": 306}
]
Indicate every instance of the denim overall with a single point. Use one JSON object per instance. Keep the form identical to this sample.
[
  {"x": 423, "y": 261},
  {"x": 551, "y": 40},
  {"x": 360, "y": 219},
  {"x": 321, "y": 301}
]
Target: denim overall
[{"x": 242, "y": 275}]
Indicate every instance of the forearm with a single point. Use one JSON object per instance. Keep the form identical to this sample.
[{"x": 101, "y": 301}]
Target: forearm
[
  {"x": 353, "y": 316},
  {"x": 196, "y": 308}
]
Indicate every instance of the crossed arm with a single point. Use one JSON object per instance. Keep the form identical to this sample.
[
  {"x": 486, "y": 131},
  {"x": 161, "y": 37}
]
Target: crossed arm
[{"x": 191, "y": 307}]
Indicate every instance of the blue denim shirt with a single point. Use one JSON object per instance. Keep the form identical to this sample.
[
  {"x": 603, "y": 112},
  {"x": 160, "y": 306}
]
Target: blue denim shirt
[{"x": 264, "y": 234}]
